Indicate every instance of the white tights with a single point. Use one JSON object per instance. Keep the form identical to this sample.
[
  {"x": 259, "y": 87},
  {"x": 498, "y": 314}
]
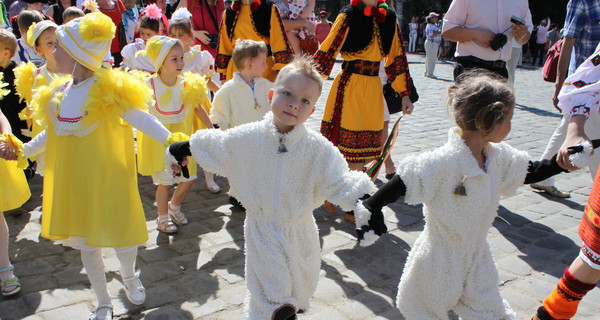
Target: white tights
[{"x": 94, "y": 267}]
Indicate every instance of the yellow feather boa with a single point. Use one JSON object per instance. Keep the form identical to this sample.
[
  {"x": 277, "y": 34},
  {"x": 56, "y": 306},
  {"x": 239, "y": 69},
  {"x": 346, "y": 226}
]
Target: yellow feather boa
[
  {"x": 41, "y": 97},
  {"x": 24, "y": 79},
  {"x": 114, "y": 92},
  {"x": 15, "y": 142},
  {"x": 194, "y": 92}
]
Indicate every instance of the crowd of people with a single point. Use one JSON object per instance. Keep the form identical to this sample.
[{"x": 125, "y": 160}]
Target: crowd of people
[{"x": 227, "y": 87}]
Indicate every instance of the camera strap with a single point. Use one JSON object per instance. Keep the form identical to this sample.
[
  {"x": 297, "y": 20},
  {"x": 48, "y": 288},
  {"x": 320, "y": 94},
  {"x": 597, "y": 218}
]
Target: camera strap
[{"x": 212, "y": 14}]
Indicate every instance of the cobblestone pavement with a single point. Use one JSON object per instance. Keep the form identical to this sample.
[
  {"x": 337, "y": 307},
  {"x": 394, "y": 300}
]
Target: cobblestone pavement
[{"x": 198, "y": 273}]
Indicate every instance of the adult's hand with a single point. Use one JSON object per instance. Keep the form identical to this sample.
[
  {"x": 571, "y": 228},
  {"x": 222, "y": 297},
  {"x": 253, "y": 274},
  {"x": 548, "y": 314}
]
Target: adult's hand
[
  {"x": 482, "y": 37},
  {"x": 201, "y": 35},
  {"x": 521, "y": 33},
  {"x": 407, "y": 106}
]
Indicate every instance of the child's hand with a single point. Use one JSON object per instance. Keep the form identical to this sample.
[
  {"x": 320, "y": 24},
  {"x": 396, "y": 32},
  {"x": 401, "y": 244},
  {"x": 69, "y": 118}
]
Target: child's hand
[
  {"x": 369, "y": 224},
  {"x": 176, "y": 158},
  {"x": 7, "y": 151}
]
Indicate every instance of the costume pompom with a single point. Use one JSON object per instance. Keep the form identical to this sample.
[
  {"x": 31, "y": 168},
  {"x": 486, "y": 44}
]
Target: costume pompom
[
  {"x": 97, "y": 26},
  {"x": 3, "y": 85},
  {"x": 153, "y": 47},
  {"x": 153, "y": 12},
  {"x": 368, "y": 239},
  {"x": 255, "y": 5},
  {"x": 91, "y": 5},
  {"x": 29, "y": 39},
  {"x": 114, "y": 92},
  {"x": 176, "y": 137},
  {"x": 582, "y": 159},
  {"x": 44, "y": 95},
  {"x": 24, "y": 79},
  {"x": 380, "y": 14},
  {"x": 362, "y": 215},
  {"x": 194, "y": 91},
  {"x": 236, "y": 6}
]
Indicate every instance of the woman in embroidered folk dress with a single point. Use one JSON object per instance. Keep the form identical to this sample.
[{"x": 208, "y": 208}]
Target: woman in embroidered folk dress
[
  {"x": 87, "y": 123},
  {"x": 253, "y": 20},
  {"x": 177, "y": 99},
  {"x": 365, "y": 33}
]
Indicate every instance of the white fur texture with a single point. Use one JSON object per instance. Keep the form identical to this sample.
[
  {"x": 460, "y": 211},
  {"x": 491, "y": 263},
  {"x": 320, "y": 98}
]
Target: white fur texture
[
  {"x": 169, "y": 160},
  {"x": 280, "y": 192},
  {"x": 361, "y": 214},
  {"x": 582, "y": 159},
  {"x": 450, "y": 265},
  {"x": 368, "y": 238}
]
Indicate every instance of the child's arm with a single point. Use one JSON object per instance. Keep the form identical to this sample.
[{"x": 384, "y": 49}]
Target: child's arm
[
  {"x": 148, "y": 124},
  {"x": 329, "y": 49},
  {"x": 221, "y": 110},
  {"x": 396, "y": 68},
  {"x": 575, "y": 135},
  {"x": 210, "y": 149},
  {"x": 212, "y": 85},
  {"x": 282, "y": 53},
  {"x": 203, "y": 115}
]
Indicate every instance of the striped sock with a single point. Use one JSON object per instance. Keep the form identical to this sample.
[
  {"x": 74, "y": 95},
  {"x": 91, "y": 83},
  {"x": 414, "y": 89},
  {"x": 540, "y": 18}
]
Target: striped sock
[{"x": 562, "y": 303}]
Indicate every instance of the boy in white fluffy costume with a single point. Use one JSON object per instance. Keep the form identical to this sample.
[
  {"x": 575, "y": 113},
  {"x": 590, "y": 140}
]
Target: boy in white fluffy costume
[{"x": 280, "y": 171}]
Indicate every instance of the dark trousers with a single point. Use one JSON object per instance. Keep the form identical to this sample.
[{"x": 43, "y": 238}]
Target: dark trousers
[{"x": 466, "y": 63}]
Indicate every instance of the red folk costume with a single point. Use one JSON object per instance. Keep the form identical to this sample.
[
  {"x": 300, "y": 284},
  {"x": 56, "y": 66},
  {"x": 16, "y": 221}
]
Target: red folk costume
[
  {"x": 353, "y": 116},
  {"x": 259, "y": 21}
]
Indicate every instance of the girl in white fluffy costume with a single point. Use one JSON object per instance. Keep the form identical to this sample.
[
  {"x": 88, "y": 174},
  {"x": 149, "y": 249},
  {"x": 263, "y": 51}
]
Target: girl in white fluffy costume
[
  {"x": 280, "y": 171},
  {"x": 450, "y": 266},
  {"x": 176, "y": 100},
  {"x": 91, "y": 197}
]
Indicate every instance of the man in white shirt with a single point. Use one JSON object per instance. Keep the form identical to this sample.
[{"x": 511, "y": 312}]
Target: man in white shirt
[{"x": 473, "y": 24}]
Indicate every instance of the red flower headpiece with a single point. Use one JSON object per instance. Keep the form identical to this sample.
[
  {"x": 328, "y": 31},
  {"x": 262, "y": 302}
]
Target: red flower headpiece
[
  {"x": 379, "y": 12},
  {"x": 236, "y": 5}
]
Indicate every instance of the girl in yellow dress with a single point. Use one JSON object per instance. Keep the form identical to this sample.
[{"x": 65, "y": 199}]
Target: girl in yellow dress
[
  {"x": 366, "y": 34},
  {"x": 253, "y": 20},
  {"x": 176, "y": 100},
  {"x": 15, "y": 192},
  {"x": 91, "y": 198}
]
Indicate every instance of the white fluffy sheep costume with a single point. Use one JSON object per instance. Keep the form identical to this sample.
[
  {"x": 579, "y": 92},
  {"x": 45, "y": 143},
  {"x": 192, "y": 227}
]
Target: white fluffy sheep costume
[
  {"x": 280, "y": 190},
  {"x": 450, "y": 265}
]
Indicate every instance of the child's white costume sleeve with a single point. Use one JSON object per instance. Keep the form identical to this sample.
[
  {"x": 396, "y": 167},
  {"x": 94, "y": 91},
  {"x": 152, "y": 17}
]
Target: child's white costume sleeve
[
  {"x": 420, "y": 173},
  {"x": 221, "y": 110},
  {"x": 35, "y": 146},
  {"x": 147, "y": 124},
  {"x": 338, "y": 184},
  {"x": 579, "y": 93},
  {"x": 515, "y": 164},
  {"x": 209, "y": 149}
]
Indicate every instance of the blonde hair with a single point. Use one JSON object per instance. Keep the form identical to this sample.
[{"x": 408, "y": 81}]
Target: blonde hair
[
  {"x": 247, "y": 49},
  {"x": 304, "y": 65},
  {"x": 8, "y": 41},
  {"x": 72, "y": 13},
  {"x": 480, "y": 100},
  {"x": 184, "y": 25}
]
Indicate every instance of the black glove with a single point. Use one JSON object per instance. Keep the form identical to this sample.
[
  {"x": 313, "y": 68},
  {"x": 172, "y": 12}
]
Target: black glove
[
  {"x": 376, "y": 223},
  {"x": 180, "y": 150}
]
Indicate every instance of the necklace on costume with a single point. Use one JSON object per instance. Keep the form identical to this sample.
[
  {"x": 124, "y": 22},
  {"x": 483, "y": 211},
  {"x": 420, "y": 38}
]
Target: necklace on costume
[
  {"x": 379, "y": 12},
  {"x": 236, "y": 5}
]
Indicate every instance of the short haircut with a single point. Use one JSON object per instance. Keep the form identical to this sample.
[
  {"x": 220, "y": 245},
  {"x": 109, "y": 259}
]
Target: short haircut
[
  {"x": 303, "y": 65},
  {"x": 149, "y": 23},
  {"x": 247, "y": 49},
  {"x": 184, "y": 25},
  {"x": 27, "y": 18},
  {"x": 72, "y": 13},
  {"x": 8, "y": 41}
]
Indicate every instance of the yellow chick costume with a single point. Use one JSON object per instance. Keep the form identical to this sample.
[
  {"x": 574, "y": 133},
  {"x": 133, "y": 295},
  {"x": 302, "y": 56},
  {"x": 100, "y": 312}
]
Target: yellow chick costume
[{"x": 90, "y": 187}]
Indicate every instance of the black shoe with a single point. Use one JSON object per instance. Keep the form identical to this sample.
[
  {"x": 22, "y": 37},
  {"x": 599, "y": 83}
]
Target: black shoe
[
  {"x": 285, "y": 312},
  {"x": 236, "y": 204},
  {"x": 389, "y": 176}
]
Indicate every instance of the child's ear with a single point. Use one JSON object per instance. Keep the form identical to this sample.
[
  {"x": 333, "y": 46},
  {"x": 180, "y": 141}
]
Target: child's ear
[
  {"x": 270, "y": 95},
  {"x": 37, "y": 50}
]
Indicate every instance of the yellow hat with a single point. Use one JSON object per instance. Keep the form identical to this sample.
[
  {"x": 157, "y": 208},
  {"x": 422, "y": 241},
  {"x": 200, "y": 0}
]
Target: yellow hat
[
  {"x": 36, "y": 29},
  {"x": 157, "y": 49},
  {"x": 87, "y": 39}
]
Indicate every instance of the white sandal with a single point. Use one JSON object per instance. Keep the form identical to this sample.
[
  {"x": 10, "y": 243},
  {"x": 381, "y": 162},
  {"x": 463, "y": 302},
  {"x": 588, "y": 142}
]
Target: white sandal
[
  {"x": 108, "y": 315},
  {"x": 165, "y": 225},
  {"x": 134, "y": 289}
]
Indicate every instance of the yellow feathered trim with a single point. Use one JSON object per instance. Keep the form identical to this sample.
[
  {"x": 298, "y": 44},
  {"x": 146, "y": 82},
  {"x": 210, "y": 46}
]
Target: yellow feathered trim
[
  {"x": 97, "y": 26},
  {"x": 16, "y": 143},
  {"x": 194, "y": 91},
  {"x": 153, "y": 47},
  {"x": 176, "y": 137},
  {"x": 24, "y": 79},
  {"x": 3, "y": 85},
  {"x": 44, "y": 95},
  {"x": 115, "y": 91},
  {"x": 30, "y": 35}
]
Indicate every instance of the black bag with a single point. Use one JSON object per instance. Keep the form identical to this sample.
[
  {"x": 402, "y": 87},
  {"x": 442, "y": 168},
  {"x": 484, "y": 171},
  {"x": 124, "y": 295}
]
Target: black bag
[
  {"x": 121, "y": 34},
  {"x": 393, "y": 99}
]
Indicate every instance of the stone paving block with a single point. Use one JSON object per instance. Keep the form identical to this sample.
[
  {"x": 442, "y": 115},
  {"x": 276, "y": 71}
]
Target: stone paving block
[
  {"x": 514, "y": 265},
  {"x": 162, "y": 295},
  {"x": 37, "y": 283},
  {"x": 167, "y": 312},
  {"x": 233, "y": 296},
  {"x": 158, "y": 253},
  {"x": 12, "y": 308},
  {"x": 76, "y": 311},
  {"x": 210, "y": 306},
  {"x": 38, "y": 265},
  {"x": 57, "y": 298}
]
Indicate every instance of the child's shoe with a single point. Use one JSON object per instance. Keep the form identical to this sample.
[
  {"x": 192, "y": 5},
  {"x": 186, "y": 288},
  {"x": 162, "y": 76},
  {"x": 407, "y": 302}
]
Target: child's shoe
[
  {"x": 212, "y": 186},
  {"x": 164, "y": 224},
  {"x": 177, "y": 216},
  {"x": 10, "y": 285},
  {"x": 103, "y": 312},
  {"x": 134, "y": 289}
]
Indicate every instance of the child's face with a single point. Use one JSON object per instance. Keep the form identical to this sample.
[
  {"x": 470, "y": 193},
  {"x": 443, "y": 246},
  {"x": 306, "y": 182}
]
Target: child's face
[
  {"x": 146, "y": 34},
  {"x": 293, "y": 101},
  {"x": 64, "y": 63},
  {"x": 46, "y": 43},
  {"x": 257, "y": 65},
  {"x": 183, "y": 36},
  {"x": 5, "y": 58},
  {"x": 174, "y": 63},
  {"x": 501, "y": 131}
]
